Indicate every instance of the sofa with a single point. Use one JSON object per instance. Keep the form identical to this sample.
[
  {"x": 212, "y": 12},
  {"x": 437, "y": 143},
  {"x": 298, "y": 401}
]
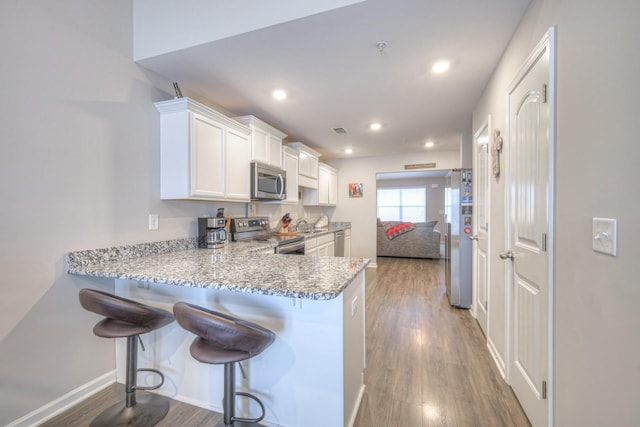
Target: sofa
[{"x": 418, "y": 241}]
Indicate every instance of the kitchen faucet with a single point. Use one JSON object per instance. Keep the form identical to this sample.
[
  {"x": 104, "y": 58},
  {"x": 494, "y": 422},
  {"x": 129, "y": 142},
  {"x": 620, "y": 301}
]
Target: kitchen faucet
[{"x": 300, "y": 221}]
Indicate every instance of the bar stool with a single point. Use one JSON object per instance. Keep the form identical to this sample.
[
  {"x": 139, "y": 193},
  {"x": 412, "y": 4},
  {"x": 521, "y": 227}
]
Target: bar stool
[
  {"x": 223, "y": 339},
  {"x": 127, "y": 318}
]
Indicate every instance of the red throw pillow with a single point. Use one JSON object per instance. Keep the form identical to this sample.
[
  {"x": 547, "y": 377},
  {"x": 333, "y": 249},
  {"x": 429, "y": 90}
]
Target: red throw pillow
[{"x": 394, "y": 229}]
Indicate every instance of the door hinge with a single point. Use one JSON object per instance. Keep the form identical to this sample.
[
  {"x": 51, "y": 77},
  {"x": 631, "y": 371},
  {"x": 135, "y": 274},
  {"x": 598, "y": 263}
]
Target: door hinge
[
  {"x": 544, "y": 93},
  {"x": 544, "y": 389},
  {"x": 544, "y": 242}
]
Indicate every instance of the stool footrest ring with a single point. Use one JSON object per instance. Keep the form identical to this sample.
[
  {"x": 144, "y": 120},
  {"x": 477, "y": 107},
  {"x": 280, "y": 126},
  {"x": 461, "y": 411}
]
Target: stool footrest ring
[
  {"x": 255, "y": 399},
  {"x": 152, "y": 387}
]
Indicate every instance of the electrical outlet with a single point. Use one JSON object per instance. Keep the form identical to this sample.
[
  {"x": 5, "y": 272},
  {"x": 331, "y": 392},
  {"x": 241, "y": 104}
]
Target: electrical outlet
[{"x": 153, "y": 221}]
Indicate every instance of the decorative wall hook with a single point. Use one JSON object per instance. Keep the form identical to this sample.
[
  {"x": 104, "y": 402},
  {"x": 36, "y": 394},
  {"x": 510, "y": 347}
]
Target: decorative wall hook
[{"x": 496, "y": 149}]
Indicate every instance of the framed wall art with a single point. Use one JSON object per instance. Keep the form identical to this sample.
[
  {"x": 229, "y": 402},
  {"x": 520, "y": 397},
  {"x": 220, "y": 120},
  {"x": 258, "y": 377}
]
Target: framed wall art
[{"x": 355, "y": 189}]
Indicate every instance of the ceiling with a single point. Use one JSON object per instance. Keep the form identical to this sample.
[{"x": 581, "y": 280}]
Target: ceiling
[{"x": 336, "y": 76}]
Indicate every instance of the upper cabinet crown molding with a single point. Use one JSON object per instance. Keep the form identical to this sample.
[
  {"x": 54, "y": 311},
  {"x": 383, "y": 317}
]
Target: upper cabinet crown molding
[
  {"x": 253, "y": 120},
  {"x": 178, "y": 105}
]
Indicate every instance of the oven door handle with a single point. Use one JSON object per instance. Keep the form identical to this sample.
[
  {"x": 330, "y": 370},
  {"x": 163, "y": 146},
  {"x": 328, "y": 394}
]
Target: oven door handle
[{"x": 293, "y": 247}]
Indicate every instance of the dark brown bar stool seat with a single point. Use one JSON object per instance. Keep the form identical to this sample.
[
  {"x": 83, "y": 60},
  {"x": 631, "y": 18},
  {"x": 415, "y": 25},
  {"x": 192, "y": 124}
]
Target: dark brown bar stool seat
[
  {"x": 223, "y": 339},
  {"x": 127, "y": 318}
]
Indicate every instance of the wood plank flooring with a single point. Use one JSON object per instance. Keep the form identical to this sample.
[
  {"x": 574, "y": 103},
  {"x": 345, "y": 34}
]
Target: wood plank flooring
[{"x": 427, "y": 363}]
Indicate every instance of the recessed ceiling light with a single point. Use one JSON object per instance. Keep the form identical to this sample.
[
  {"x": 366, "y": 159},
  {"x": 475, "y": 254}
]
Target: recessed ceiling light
[
  {"x": 441, "y": 66},
  {"x": 348, "y": 150},
  {"x": 430, "y": 144},
  {"x": 279, "y": 94},
  {"x": 375, "y": 126}
]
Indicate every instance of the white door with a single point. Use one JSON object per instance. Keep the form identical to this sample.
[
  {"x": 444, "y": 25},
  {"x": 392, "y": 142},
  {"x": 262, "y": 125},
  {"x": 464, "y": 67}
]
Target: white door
[
  {"x": 481, "y": 225},
  {"x": 530, "y": 213}
]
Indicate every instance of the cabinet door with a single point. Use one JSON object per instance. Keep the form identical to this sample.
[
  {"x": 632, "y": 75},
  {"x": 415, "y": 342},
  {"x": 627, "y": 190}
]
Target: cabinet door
[
  {"x": 310, "y": 247},
  {"x": 313, "y": 167},
  {"x": 333, "y": 188},
  {"x": 237, "y": 166},
  {"x": 275, "y": 151},
  {"x": 303, "y": 164},
  {"x": 327, "y": 249},
  {"x": 207, "y": 158},
  {"x": 259, "y": 145},
  {"x": 323, "y": 186},
  {"x": 291, "y": 167}
]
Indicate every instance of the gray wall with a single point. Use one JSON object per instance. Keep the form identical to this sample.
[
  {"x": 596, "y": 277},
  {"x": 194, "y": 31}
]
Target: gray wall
[
  {"x": 79, "y": 163},
  {"x": 597, "y": 349}
]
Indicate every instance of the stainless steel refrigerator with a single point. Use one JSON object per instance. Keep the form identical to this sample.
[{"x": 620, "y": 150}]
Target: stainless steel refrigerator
[{"x": 458, "y": 209}]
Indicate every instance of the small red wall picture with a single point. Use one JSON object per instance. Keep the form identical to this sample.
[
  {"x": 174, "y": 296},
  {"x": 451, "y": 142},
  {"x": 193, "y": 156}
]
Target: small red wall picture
[{"x": 355, "y": 189}]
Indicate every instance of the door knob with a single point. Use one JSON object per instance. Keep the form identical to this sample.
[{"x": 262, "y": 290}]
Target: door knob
[
  {"x": 474, "y": 237},
  {"x": 506, "y": 255}
]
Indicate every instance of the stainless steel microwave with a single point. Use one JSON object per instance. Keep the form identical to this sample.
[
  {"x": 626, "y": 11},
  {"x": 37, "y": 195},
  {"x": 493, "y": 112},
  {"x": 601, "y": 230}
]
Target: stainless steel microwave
[{"x": 267, "y": 182}]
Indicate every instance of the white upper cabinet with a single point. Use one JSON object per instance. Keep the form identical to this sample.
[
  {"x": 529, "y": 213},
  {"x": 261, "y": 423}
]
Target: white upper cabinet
[
  {"x": 290, "y": 160},
  {"x": 204, "y": 155},
  {"x": 327, "y": 192},
  {"x": 266, "y": 141},
  {"x": 307, "y": 165}
]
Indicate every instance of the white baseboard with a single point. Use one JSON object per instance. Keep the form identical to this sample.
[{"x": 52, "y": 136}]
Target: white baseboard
[
  {"x": 354, "y": 414},
  {"x": 496, "y": 358},
  {"x": 65, "y": 402},
  {"x": 372, "y": 265}
]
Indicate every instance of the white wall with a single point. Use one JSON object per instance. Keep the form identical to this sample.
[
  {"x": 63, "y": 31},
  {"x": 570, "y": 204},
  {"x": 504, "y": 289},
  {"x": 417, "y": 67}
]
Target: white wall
[
  {"x": 597, "y": 352},
  {"x": 79, "y": 158},
  {"x": 361, "y": 212},
  {"x": 202, "y": 21}
]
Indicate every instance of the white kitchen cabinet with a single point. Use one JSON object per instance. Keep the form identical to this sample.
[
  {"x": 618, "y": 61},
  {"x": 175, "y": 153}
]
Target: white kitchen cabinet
[
  {"x": 311, "y": 246},
  {"x": 308, "y": 161},
  {"x": 290, "y": 160},
  {"x": 326, "y": 245},
  {"x": 204, "y": 155},
  {"x": 237, "y": 179},
  {"x": 266, "y": 141},
  {"x": 320, "y": 246},
  {"x": 327, "y": 192}
]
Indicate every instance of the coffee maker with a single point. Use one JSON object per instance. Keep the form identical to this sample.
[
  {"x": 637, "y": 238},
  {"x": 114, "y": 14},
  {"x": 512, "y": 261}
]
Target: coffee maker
[{"x": 211, "y": 232}]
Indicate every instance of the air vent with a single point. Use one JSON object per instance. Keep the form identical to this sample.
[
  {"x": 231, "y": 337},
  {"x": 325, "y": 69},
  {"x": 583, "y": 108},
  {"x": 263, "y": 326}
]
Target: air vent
[{"x": 339, "y": 131}]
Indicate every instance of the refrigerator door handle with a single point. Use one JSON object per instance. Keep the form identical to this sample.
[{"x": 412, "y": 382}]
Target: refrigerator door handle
[{"x": 474, "y": 237}]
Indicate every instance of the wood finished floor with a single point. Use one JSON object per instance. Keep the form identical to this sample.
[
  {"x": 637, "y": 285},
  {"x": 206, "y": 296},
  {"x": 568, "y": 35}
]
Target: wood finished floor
[{"x": 427, "y": 363}]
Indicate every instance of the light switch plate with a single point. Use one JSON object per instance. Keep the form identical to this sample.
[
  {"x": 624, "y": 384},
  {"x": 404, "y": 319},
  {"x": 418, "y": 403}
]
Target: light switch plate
[{"x": 605, "y": 235}]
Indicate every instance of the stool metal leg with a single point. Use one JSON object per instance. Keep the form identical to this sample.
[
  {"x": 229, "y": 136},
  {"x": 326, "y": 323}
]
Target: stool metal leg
[
  {"x": 132, "y": 370},
  {"x": 229, "y": 402},
  {"x": 146, "y": 410}
]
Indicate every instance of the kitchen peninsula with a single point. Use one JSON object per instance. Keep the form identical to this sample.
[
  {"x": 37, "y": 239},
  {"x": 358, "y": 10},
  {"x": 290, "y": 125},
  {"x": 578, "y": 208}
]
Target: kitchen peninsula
[{"x": 312, "y": 375}]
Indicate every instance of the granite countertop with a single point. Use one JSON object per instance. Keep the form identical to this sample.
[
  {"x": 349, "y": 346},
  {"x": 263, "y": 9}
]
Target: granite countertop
[{"x": 181, "y": 263}]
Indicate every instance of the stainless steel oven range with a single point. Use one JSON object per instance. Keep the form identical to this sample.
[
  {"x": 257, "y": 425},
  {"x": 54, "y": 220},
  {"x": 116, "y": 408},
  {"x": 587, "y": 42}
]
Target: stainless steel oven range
[{"x": 257, "y": 229}]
